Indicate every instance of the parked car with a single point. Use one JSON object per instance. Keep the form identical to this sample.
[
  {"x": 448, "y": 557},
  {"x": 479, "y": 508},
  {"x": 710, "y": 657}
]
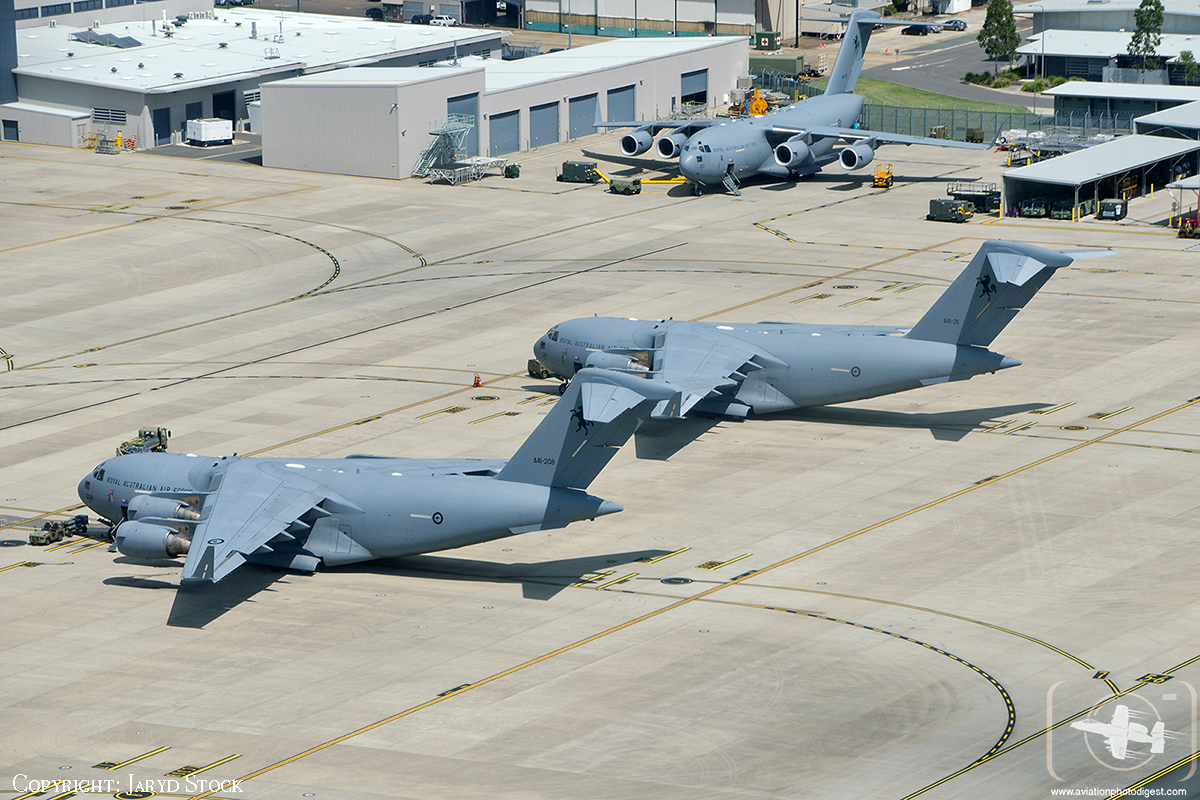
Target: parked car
[
  {"x": 375, "y": 14},
  {"x": 421, "y": 19},
  {"x": 954, "y": 25},
  {"x": 915, "y": 30},
  {"x": 444, "y": 21}
]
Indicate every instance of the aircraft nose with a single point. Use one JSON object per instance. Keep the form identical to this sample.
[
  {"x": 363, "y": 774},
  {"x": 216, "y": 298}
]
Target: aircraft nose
[{"x": 689, "y": 166}]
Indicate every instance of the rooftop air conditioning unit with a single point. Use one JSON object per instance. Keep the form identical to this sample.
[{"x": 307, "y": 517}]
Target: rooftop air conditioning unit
[{"x": 53, "y": 23}]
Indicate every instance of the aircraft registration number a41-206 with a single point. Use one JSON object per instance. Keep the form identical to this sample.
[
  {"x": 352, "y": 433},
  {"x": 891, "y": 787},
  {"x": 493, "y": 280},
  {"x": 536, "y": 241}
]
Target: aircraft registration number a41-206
[
  {"x": 223, "y": 512},
  {"x": 733, "y": 369}
]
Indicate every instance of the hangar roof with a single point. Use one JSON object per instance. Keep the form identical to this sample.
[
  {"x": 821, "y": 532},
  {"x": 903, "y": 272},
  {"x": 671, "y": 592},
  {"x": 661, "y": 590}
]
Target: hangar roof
[
  {"x": 1101, "y": 44},
  {"x": 502, "y": 75},
  {"x": 1110, "y": 158},
  {"x": 1125, "y": 91},
  {"x": 1184, "y": 116},
  {"x": 221, "y": 50},
  {"x": 1057, "y": 6}
]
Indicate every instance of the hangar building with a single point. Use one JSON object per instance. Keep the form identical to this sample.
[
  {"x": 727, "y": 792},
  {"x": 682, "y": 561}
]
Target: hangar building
[
  {"x": 1179, "y": 16},
  {"x": 146, "y": 79},
  {"x": 1126, "y": 99},
  {"x": 377, "y": 122},
  {"x": 1104, "y": 55}
]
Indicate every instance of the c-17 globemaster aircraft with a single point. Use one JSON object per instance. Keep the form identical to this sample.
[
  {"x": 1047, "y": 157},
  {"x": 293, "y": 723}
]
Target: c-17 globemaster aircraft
[
  {"x": 731, "y": 369},
  {"x": 299, "y": 513},
  {"x": 791, "y": 142}
]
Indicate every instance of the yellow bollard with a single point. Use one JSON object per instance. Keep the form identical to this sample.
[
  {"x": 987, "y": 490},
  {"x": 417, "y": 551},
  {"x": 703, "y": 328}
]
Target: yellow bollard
[{"x": 118, "y": 140}]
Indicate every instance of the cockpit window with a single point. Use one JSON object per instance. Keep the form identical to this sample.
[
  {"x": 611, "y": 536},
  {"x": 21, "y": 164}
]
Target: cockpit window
[
  {"x": 98, "y": 474},
  {"x": 705, "y": 148},
  {"x": 552, "y": 335}
]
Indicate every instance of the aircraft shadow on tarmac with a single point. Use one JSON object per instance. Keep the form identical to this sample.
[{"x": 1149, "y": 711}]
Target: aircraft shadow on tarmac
[
  {"x": 196, "y": 607},
  {"x": 948, "y": 426},
  {"x": 648, "y": 164},
  {"x": 540, "y": 580}
]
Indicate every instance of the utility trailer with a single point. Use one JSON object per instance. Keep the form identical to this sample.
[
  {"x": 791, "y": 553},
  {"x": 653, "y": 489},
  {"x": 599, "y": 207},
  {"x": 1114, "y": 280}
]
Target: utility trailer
[
  {"x": 150, "y": 439},
  {"x": 984, "y": 196}
]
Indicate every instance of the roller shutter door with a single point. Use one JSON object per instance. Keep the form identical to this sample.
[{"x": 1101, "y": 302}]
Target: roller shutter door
[
  {"x": 582, "y": 115},
  {"x": 504, "y": 133},
  {"x": 693, "y": 86},
  {"x": 467, "y": 104},
  {"x": 543, "y": 125},
  {"x": 621, "y": 106}
]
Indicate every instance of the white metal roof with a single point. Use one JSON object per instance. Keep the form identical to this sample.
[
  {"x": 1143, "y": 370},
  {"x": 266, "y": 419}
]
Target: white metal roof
[
  {"x": 1126, "y": 91},
  {"x": 1192, "y": 182},
  {"x": 502, "y": 75},
  {"x": 1056, "y": 6},
  {"x": 1102, "y": 44},
  {"x": 1110, "y": 158},
  {"x": 1184, "y": 116},
  {"x": 286, "y": 41}
]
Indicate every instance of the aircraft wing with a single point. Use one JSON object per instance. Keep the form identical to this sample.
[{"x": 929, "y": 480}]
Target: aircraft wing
[
  {"x": 688, "y": 126},
  {"x": 697, "y": 362},
  {"x": 256, "y": 502},
  {"x": 859, "y": 135}
]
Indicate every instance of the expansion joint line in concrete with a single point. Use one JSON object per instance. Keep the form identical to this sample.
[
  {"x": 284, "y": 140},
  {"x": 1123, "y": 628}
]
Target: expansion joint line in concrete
[
  {"x": 734, "y": 582},
  {"x": 838, "y": 276}
]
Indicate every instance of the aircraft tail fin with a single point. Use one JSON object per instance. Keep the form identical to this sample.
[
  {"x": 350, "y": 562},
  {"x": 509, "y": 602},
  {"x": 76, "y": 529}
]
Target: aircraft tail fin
[
  {"x": 849, "y": 61},
  {"x": 583, "y": 431},
  {"x": 999, "y": 281}
]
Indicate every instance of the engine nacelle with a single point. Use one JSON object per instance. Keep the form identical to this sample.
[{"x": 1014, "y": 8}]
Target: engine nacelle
[
  {"x": 858, "y": 155},
  {"x": 636, "y": 143},
  {"x": 615, "y": 361},
  {"x": 143, "y": 540},
  {"x": 671, "y": 145},
  {"x": 791, "y": 153},
  {"x": 144, "y": 505}
]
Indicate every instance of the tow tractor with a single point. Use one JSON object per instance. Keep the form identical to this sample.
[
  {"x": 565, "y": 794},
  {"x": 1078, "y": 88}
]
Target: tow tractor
[
  {"x": 883, "y": 176},
  {"x": 52, "y": 532},
  {"x": 1189, "y": 227}
]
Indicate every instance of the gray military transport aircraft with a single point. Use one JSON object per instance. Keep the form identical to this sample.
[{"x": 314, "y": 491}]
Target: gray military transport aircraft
[
  {"x": 731, "y": 369},
  {"x": 791, "y": 142},
  {"x": 298, "y": 513}
]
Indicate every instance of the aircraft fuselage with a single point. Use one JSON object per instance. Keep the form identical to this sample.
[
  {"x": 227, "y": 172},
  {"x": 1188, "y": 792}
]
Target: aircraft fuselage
[
  {"x": 742, "y": 147},
  {"x": 821, "y": 364}
]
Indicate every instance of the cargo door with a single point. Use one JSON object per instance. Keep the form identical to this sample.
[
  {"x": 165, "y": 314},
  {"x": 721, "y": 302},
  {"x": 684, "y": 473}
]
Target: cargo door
[
  {"x": 582, "y": 115},
  {"x": 504, "y": 133},
  {"x": 161, "y": 119},
  {"x": 693, "y": 87},
  {"x": 467, "y": 104},
  {"x": 543, "y": 125},
  {"x": 621, "y": 105}
]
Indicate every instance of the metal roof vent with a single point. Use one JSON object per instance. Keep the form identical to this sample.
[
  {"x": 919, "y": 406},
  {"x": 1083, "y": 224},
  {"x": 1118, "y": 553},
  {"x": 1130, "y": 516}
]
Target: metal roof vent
[
  {"x": 70, "y": 54},
  {"x": 141, "y": 65},
  {"x": 222, "y": 45},
  {"x": 178, "y": 75},
  {"x": 114, "y": 69}
]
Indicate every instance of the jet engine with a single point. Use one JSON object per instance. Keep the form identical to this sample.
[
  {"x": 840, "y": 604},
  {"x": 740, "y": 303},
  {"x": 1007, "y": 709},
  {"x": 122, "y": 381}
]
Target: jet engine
[
  {"x": 143, "y": 540},
  {"x": 791, "y": 153},
  {"x": 144, "y": 505},
  {"x": 671, "y": 145},
  {"x": 858, "y": 155},
  {"x": 615, "y": 361},
  {"x": 636, "y": 143}
]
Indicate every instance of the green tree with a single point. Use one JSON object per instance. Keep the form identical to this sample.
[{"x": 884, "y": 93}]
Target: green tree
[
  {"x": 1147, "y": 35},
  {"x": 1191, "y": 70},
  {"x": 998, "y": 36}
]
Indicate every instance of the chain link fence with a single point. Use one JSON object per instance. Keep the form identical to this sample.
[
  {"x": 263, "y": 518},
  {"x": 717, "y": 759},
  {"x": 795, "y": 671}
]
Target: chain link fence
[{"x": 986, "y": 125}]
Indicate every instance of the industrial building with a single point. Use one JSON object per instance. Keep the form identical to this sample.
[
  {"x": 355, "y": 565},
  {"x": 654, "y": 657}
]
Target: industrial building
[
  {"x": 1130, "y": 99},
  {"x": 1126, "y": 167},
  {"x": 1104, "y": 56},
  {"x": 641, "y": 18},
  {"x": 381, "y": 119},
  {"x": 146, "y": 79},
  {"x": 1179, "y": 121},
  {"x": 1179, "y": 16}
]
